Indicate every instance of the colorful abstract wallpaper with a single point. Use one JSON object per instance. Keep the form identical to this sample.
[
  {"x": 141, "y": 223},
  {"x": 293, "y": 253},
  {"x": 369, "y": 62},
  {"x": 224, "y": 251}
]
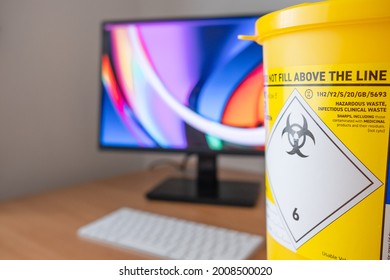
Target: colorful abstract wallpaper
[{"x": 182, "y": 84}]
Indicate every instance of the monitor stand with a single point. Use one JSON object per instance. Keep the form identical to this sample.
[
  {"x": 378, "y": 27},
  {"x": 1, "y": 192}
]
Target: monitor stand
[{"x": 206, "y": 188}]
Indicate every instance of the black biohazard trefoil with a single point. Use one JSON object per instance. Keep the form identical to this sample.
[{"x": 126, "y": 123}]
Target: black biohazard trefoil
[{"x": 297, "y": 136}]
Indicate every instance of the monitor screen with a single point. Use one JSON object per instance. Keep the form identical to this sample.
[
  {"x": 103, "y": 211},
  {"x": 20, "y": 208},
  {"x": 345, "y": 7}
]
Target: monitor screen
[{"x": 182, "y": 85}]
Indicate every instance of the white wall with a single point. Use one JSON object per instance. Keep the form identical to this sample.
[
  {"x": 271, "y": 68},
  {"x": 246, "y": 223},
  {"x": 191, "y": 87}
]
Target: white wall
[{"x": 49, "y": 87}]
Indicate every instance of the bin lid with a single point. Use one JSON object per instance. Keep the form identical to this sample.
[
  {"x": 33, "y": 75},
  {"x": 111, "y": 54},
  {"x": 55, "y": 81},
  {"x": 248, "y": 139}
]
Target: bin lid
[{"x": 312, "y": 15}]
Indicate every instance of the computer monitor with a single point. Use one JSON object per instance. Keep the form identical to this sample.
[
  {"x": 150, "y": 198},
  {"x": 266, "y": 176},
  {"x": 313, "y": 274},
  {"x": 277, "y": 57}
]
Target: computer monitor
[{"x": 185, "y": 85}]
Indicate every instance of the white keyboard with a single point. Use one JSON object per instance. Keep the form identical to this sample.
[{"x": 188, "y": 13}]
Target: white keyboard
[{"x": 170, "y": 238}]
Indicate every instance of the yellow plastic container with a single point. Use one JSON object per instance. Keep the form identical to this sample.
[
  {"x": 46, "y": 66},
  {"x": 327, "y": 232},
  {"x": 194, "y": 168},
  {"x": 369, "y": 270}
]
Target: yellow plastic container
[{"x": 327, "y": 94}]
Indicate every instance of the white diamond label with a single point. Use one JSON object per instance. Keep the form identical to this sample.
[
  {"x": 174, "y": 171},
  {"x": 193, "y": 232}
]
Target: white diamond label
[{"x": 314, "y": 177}]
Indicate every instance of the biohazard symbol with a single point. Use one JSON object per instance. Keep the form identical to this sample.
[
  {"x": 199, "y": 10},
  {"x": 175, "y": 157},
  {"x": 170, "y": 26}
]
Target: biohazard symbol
[{"x": 297, "y": 136}]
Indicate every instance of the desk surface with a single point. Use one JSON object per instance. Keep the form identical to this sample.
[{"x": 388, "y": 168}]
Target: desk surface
[{"x": 44, "y": 226}]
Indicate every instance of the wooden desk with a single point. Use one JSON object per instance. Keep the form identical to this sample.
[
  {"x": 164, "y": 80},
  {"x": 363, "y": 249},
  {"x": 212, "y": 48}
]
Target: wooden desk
[{"x": 44, "y": 226}]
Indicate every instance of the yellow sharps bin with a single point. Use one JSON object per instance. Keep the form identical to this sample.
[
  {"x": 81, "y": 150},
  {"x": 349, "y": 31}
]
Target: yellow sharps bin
[{"x": 327, "y": 98}]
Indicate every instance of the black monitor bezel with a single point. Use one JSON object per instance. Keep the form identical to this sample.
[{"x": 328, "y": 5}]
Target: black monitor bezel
[{"x": 164, "y": 150}]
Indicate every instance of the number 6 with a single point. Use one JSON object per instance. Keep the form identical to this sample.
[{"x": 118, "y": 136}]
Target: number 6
[{"x": 295, "y": 215}]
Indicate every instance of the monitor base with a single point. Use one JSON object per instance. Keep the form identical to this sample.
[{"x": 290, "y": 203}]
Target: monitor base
[{"x": 232, "y": 193}]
